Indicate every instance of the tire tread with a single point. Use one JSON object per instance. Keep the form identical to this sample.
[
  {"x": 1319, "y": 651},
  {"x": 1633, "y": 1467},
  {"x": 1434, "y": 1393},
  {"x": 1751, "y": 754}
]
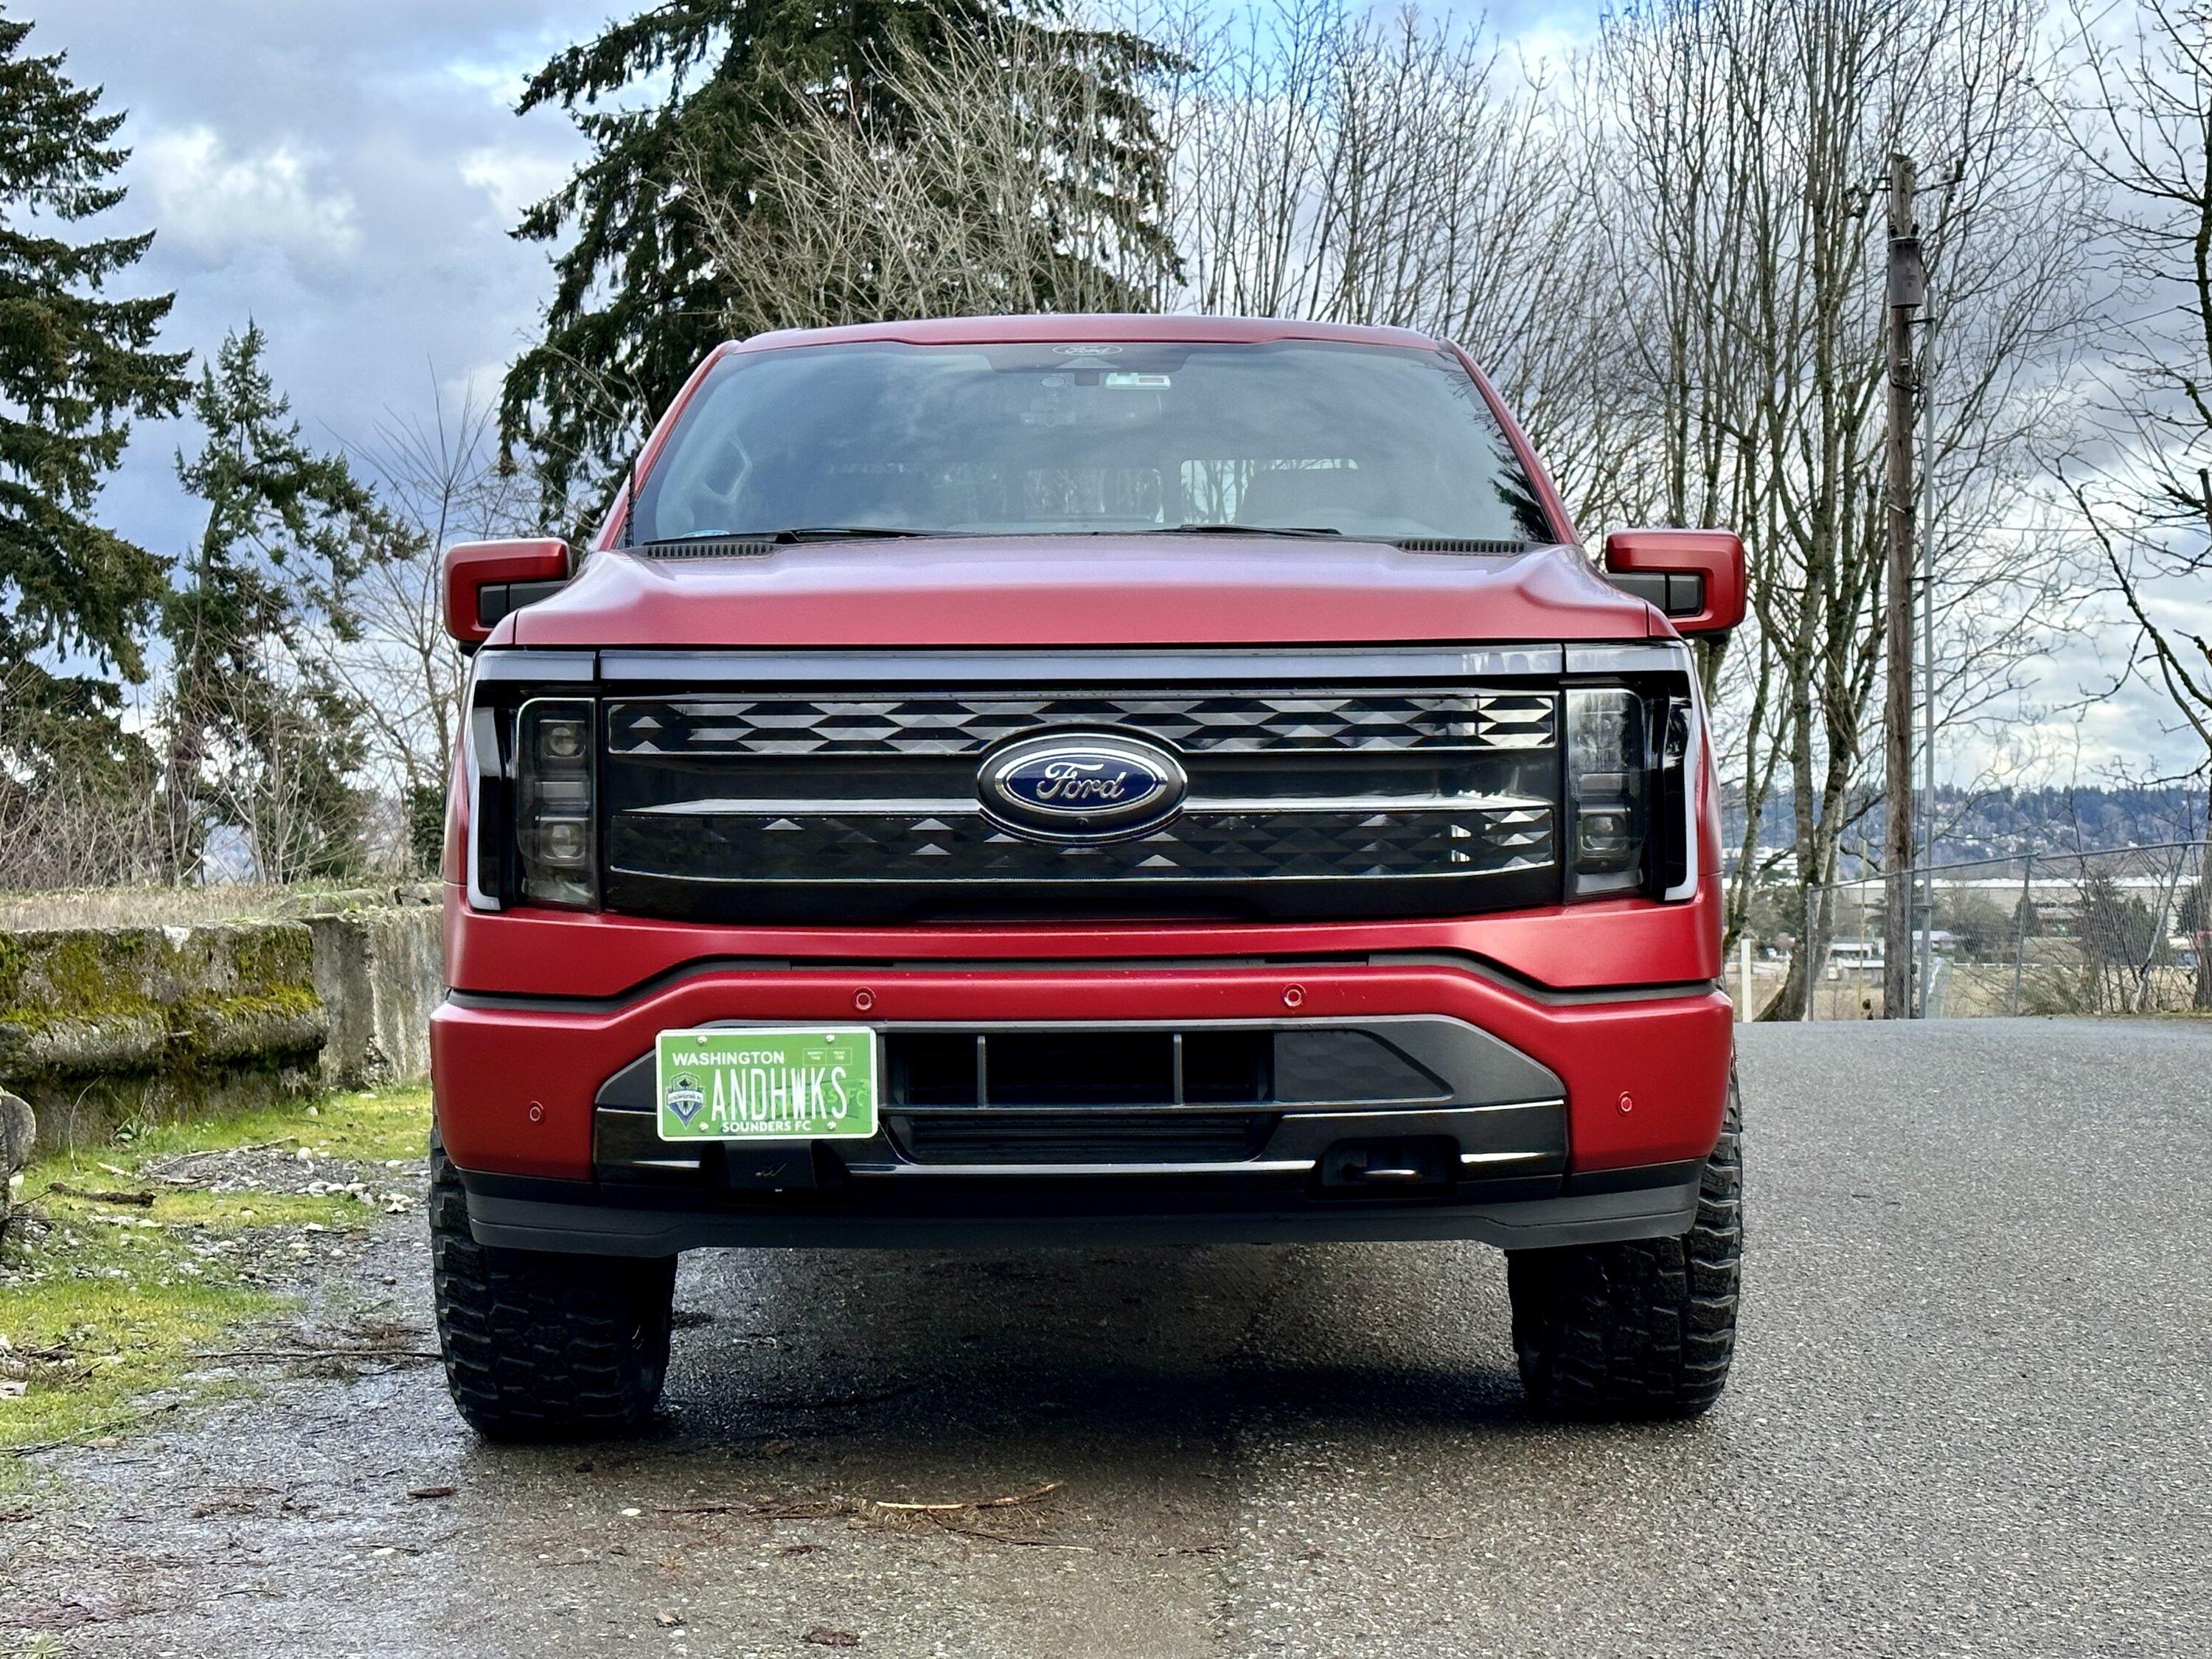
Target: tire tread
[
  {"x": 540, "y": 1345},
  {"x": 1642, "y": 1329}
]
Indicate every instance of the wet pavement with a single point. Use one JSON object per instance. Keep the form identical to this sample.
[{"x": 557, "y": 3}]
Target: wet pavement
[{"x": 1971, "y": 1413}]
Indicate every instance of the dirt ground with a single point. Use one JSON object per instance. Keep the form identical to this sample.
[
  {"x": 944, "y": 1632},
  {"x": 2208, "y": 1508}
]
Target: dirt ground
[{"x": 1970, "y": 1416}]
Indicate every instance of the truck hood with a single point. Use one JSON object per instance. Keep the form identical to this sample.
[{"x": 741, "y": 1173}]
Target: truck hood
[{"x": 1082, "y": 591}]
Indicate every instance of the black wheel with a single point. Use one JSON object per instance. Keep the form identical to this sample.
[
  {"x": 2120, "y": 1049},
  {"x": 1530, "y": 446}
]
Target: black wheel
[
  {"x": 541, "y": 1346},
  {"x": 1644, "y": 1328}
]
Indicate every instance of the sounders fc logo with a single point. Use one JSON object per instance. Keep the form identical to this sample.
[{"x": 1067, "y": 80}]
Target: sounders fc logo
[{"x": 685, "y": 1096}]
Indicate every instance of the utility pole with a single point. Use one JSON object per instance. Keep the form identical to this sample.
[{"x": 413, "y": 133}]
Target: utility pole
[
  {"x": 1907, "y": 287},
  {"x": 1922, "y": 987}
]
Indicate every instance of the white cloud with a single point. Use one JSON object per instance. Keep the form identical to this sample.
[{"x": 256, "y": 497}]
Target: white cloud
[
  {"x": 216, "y": 204},
  {"x": 513, "y": 179}
]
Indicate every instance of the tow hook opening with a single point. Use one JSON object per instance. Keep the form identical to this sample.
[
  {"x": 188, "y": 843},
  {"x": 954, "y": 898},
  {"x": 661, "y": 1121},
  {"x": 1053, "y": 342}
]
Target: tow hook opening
[{"x": 1397, "y": 1166}]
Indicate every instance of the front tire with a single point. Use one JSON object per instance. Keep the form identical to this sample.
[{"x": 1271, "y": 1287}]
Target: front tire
[
  {"x": 542, "y": 1346},
  {"x": 1644, "y": 1328}
]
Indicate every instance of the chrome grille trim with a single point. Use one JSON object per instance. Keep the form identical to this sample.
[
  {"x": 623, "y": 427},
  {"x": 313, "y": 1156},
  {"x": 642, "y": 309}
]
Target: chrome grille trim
[
  {"x": 954, "y": 806},
  {"x": 1150, "y": 670}
]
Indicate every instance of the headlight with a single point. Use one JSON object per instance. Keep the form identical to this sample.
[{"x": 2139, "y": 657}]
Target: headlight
[
  {"x": 555, "y": 820},
  {"x": 1632, "y": 759},
  {"x": 1607, "y": 790}
]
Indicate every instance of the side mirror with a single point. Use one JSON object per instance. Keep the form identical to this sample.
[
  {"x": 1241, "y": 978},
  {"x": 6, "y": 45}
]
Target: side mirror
[
  {"x": 483, "y": 582},
  {"x": 1694, "y": 578}
]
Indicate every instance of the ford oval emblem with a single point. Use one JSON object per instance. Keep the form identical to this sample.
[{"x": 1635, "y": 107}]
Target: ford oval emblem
[{"x": 1080, "y": 786}]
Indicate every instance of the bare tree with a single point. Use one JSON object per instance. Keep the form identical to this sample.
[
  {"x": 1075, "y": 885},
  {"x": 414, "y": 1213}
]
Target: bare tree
[
  {"x": 1352, "y": 166},
  {"x": 2136, "y": 102},
  {"x": 1013, "y": 176},
  {"x": 1320, "y": 163},
  {"x": 2138, "y": 112},
  {"x": 440, "y": 478},
  {"x": 88, "y": 816},
  {"x": 268, "y": 772},
  {"x": 1741, "y": 142}
]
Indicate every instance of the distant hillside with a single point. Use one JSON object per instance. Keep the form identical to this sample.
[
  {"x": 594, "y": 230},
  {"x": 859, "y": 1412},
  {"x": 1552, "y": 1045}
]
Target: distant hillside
[{"x": 2012, "y": 821}]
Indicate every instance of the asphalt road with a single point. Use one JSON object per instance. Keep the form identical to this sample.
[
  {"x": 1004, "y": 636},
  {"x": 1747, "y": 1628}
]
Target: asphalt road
[{"x": 1971, "y": 1414}]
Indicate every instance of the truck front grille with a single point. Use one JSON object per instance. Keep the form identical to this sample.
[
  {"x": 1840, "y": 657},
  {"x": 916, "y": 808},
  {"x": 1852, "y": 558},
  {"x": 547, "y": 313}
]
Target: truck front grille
[{"x": 859, "y": 803}]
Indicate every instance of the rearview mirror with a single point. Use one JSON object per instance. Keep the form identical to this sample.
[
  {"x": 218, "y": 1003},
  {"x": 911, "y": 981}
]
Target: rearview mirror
[
  {"x": 1694, "y": 578},
  {"x": 483, "y": 581}
]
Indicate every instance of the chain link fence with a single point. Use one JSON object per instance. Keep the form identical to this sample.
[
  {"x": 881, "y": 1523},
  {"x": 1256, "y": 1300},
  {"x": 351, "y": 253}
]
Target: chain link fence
[{"x": 2125, "y": 931}]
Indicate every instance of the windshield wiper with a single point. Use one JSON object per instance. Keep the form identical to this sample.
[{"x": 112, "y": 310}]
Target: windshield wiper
[
  {"x": 806, "y": 532},
  {"x": 842, "y": 532},
  {"x": 1305, "y": 530}
]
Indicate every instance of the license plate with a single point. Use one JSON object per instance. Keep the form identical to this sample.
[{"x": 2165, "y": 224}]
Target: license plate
[{"x": 793, "y": 1083}]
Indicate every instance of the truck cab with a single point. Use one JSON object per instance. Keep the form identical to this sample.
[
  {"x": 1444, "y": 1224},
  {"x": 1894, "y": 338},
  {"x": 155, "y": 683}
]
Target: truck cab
[{"x": 1042, "y": 781}]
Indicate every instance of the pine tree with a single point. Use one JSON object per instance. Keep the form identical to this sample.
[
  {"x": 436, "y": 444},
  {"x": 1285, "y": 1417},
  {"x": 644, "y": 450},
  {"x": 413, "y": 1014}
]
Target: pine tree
[
  {"x": 260, "y": 740},
  {"x": 75, "y": 367},
  {"x": 639, "y": 298}
]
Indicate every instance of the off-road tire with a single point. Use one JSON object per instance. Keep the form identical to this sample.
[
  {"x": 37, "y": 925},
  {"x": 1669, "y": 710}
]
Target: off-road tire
[
  {"x": 1645, "y": 1328},
  {"x": 541, "y": 1346}
]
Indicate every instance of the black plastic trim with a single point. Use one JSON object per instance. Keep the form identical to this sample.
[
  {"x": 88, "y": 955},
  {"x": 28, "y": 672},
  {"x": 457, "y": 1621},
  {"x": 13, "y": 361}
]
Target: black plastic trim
[
  {"x": 497, "y": 600},
  {"x": 516, "y": 1212}
]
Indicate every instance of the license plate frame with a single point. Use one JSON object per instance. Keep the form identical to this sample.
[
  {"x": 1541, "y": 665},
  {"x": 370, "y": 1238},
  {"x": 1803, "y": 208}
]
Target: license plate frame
[{"x": 780, "y": 1082}]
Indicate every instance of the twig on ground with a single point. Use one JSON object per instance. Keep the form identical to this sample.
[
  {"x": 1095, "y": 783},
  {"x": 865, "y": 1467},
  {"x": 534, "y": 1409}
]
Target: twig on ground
[
  {"x": 399, "y": 1548},
  {"x": 144, "y": 1201},
  {"x": 157, "y": 1169},
  {"x": 278, "y": 1355},
  {"x": 943, "y": 1516},
  {"x": 83, "y": 1435},
  {"x": 977, "y": 1503}
]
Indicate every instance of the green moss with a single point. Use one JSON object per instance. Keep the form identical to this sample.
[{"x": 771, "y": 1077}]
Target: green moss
[
  {"x": 89, "y": 973},
  {"x": 232, "y": 1000},
  {"x": 277, "y": 956},
  {"x": 257, "y": 1027}
]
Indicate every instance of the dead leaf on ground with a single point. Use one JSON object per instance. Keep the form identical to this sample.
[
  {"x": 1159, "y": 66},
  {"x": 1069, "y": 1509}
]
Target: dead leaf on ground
[{"x": 823, "y": 1636}]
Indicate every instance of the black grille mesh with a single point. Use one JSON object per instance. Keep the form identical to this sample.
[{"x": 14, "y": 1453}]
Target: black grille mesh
[
  {"x": 1212, "y": 846},
  {"x": 1225, "y": 722},
  {"x": 994, "y": 1136}
]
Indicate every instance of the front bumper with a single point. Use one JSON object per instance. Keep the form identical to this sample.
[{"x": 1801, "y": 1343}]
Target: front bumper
[{"x": 1572, "y": 1117}]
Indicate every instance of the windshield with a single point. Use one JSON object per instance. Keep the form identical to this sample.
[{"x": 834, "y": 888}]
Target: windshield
[{"x": 1075, "y": 438}]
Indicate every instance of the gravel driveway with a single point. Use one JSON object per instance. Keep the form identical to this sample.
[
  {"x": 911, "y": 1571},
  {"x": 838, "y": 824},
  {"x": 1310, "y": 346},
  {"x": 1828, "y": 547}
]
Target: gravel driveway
[{"x": 1971, "y": 1413}]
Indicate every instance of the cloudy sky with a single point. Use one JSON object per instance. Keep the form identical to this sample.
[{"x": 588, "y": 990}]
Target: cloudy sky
[
  {"x": 346, "y": 175},
  {"x": 343, "y": 174}
]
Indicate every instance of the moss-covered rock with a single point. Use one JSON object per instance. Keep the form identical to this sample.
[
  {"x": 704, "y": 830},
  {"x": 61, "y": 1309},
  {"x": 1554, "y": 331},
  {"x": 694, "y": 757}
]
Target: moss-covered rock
[{"x": 103, "y": 1025}]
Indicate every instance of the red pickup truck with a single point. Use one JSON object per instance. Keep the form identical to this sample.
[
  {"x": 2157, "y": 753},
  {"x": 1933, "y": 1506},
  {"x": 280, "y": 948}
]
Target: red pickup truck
[{"x": 1039, "y": 781}]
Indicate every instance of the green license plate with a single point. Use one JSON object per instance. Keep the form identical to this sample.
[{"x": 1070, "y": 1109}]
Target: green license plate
[{"x": 796, "y": 1083}]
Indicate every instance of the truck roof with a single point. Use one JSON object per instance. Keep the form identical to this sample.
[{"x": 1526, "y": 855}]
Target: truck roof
[{"x": 981, "y": 331}]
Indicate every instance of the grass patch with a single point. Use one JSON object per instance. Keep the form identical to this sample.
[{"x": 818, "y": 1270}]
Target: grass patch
[
  {"x": 368, "y": 1127},
  {"x": 127, "y": 1294}
]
